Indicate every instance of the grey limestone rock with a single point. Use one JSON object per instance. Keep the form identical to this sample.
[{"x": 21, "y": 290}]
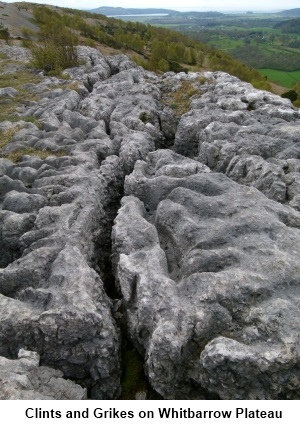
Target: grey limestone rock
[
  {"x": 96, "y": 67},
  {"x": 205, "y": 247},
  {"x": 7, "y": 184},
  {"x": 16, "y": 53},
  {"x": 25, "y": 174},
  {"x": 57, "y": 305},
  {"x": 4, "y": 165},
  {"x": 242, "y": 132},
  {"x": 208, "y": 269},
  {"x": 54, "y": 102},
  {"x": 23, "y": 202},
  {"x": 119, "y": 63},
  {"x": 8, "y": 92},
  {"x": 24, "y": 379}
]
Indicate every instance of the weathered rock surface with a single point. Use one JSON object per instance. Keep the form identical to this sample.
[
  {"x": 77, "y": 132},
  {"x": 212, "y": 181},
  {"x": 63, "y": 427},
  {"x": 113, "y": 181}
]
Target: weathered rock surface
[
  {"x": 8, "y": 92},
  {"x": 16, "y": 53},
  {"x": 57, "y": 214},
  {"x": 23, "y": 379},
  {"x": 209, "y": 272},
  {"x": 252, "y": 136},
  {"x": 202, "y": 266}
]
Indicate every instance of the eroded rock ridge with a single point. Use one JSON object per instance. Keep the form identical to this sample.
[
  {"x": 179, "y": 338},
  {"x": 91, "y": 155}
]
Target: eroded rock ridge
[{"x": 181, "y": 227}]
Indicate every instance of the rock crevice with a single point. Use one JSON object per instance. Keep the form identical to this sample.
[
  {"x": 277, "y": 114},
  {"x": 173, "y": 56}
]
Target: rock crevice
[{"x": 178, "y": 225}]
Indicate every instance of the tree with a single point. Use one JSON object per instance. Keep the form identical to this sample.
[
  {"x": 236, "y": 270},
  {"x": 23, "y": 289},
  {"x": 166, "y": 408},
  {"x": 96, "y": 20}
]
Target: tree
[
  {"x": 56, "y": 49},
  {"x": 163, "y": 65}
]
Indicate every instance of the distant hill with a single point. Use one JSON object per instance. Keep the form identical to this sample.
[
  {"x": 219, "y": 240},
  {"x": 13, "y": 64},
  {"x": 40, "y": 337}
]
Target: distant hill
[
  {"x": 117, "y": 11},
  {"x": 106, "y": 10},
  {"x": 290, "y": 12},
  {"x": 152, "y": 47},
  {"x": 289, "y": 26}
]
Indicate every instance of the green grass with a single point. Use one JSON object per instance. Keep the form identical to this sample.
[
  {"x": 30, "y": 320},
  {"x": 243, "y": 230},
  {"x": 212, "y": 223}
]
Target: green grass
[
  {"x": 179, "y": 100},
  {"x": 224, "y": 43},
  {"x": 16, "y": 156},
  {"x": 285, "y": 79},
  {"x": 16, "y": 80},
  {"x": 6, "y": 136}
]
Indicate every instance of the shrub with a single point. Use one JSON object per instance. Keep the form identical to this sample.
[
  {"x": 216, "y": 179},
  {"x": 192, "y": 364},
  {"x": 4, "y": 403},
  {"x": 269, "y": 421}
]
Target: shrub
[
  {"x": 4, "y": 33},
  {"x": 179, "y": 100},
  {"x": 53, "y": 58},
  {"x": 297, "y": 103},
  {"x": 56, "y": 49},
  {"x": 262, "y": 85},
  {"x": 292, "y": 95},
  {"x": 143, "y": 117},
  {"x": 163, "y": 65}
]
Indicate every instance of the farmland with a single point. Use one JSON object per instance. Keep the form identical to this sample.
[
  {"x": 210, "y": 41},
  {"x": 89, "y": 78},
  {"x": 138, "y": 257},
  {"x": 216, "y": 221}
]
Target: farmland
[
  {"x": 286, "y": 79},
  {"x": 258, "y": 42},
  {"x": 267, "y": 42}
]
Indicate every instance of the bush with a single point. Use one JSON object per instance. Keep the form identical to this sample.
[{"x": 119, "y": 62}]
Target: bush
[
  {"x": 292, "y": 95},
  {"x": 262, "y": 85},
  {"x": 163, "y": 65},
  {"x": 54, "y": 58},
  {"x": 4, "y": 33},
  {"x": 56, "y": 49}
]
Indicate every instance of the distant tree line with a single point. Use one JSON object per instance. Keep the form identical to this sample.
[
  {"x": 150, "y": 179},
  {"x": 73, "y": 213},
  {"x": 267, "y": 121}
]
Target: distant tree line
[
  {"x": 158, "y": 49},
  {"x": 289, "y": 26}
]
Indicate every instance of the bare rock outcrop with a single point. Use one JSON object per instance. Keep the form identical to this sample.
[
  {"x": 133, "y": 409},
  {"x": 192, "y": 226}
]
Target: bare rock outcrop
[
  {"x": 23, "y": 379},
  {"x": 208, "y": 270},
  {"x": 57, "y": 213},
  {"x": 250, "y": 135},
  {"x": 53, "y": 301},
  {"x": 201, "y": 269}
]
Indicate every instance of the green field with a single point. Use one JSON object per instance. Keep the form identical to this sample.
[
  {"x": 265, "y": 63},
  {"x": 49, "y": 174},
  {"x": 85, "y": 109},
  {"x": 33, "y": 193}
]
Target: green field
[
  {"x": 285, "y": 79},
  {"x": 224, "y": 43}
]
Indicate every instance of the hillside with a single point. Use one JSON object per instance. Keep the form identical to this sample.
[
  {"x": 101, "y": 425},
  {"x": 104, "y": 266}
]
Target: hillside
[
  {"x": 267, "y": 42},
  {"x": 136, "y": 13},
  {"x": 153, "y": 48},
  {"x": 290, "y": 12},
  {"x": 290, "y": 26},
  {"x": 105, "y": 10},
  {"x": 14, "y": 18}
]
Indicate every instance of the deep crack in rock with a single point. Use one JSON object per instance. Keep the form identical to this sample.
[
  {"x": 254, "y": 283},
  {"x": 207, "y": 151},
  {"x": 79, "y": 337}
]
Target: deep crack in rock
[{"x": 189, "y": 254}]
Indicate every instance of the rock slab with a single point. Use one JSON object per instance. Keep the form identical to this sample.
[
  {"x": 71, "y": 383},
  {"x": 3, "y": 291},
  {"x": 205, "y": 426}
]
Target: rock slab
[{"x": 209, "y": 272}]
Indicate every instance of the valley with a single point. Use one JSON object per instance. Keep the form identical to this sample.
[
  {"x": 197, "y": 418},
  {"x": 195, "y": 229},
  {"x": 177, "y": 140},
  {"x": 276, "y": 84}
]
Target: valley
[{"x": 268, "y": 42}]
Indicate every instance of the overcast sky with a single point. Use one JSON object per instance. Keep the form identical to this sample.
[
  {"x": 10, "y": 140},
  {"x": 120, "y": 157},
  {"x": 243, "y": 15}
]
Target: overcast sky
[{"x": 200, "y": 5}]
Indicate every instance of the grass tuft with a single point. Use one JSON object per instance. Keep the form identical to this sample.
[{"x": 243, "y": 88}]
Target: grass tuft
[
  {"x": 17, "y": 80},
  {"x": 7, "y": 135},
  {"x": 16, "y": 156},
  {"x": 179, "y": 100}
]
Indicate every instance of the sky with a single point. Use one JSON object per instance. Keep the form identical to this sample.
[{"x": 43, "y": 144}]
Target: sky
[{"x": 183, "y": 5}]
